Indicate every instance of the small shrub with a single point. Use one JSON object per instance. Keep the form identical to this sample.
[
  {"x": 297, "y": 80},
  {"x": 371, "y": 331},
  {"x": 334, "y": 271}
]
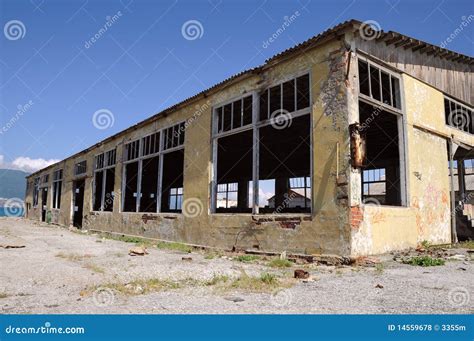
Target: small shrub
[
  {"x": 268, "y": 278},
  {"x": 425, "y": 244},
  {"x": 424, "y": 261}
]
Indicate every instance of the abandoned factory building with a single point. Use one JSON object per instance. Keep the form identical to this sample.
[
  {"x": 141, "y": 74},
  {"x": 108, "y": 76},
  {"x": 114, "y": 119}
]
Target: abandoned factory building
[{"x": 354, "y": 142}]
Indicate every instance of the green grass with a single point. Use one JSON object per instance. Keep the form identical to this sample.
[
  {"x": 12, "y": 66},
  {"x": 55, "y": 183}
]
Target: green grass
[
  {"x": 280, "y": 263},
  {"x": 174, "y": 246},
  {"x": 246, "y": 258},
  {"x": 424, "y": 261},
  {"x": 129, "y": 239},
  {"x": 143, "y": 286},
  {"x": 150, "y": 243},
  {"x": 264, "y": 283}
]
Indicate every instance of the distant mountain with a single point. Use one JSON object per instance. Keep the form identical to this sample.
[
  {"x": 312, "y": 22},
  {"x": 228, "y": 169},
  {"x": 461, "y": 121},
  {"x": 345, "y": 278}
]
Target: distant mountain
[{"x": 12, "y": 183}]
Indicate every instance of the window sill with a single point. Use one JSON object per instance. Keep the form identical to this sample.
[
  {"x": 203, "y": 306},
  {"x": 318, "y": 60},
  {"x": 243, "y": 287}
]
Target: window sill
[
  {"x": 376, "y": 207},
  {"x": 260, "y": 215},
  {"x": 154, "y": 213}
]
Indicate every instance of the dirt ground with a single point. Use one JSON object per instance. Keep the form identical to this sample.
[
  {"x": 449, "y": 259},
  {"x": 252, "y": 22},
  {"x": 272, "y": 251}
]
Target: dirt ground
[{"x": 63, "y": 271}]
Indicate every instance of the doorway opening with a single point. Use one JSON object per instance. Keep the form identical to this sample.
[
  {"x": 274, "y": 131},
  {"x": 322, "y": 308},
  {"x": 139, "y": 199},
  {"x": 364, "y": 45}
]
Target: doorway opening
[{"x": 78, "y": 202}]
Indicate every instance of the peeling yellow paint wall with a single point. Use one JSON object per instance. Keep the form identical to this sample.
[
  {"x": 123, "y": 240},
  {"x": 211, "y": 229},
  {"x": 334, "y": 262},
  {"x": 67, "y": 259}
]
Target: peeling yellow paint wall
[{"x": 427, "y": 217}]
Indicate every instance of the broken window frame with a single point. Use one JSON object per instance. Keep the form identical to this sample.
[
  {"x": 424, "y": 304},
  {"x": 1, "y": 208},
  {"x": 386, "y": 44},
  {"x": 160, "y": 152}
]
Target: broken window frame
[
  {"x": 401, "y": 121},
  {"x": 177, "y": 143},
  {"x": 370, "y": 182},
  {"x": 57, "y": 184},
  {"x": 469, "y": 126},
  {"x": 227, "y": 191},
  {"x": 370, "y": 98},
  {"x": 36, "y": 187},
  {"x": 255, "y": 126},
  {"x": 80, "y": 168},
  {"x": 102, "y": 162}
]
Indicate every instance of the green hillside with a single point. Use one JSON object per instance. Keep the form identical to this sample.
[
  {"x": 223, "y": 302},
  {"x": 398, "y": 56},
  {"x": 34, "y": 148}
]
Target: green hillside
[{"x": 12, "y": 183}]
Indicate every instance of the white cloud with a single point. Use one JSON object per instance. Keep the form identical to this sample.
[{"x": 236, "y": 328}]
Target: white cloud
[{"x": 26, "y": 164}]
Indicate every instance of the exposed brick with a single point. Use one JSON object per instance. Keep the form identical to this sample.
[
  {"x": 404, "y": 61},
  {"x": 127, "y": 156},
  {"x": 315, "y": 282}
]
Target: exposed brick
[{"x": 356, "y": 216}]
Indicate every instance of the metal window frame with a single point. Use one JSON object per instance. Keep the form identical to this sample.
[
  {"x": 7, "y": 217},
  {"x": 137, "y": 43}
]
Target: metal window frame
[
  {"x": 381, "y": 69},
  {"x": 161, "y": 152},
  {"x": 255, "y": 127},
  {"x": 307, "y": 185},
  {"x": 56, "y": 200},
  {"x": 103, "y": 170},
  {"x": 402, "y": 124},
  {"x": 372, "y": 182},
  {"x": 36, "y": 190},
  {"x": 177, "y": 195},
  {"x": 463, "y": 106},
  {"x": 227, "y": 191},
  {"x": 75, "y": 168}
]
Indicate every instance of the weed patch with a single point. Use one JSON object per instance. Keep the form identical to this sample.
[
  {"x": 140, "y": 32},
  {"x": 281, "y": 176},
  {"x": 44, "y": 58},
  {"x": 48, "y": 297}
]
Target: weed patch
[
  {"x": 424, "y": 261},
  {"x": 246, "y": 258},
  {"x": 280, "y": 263}
]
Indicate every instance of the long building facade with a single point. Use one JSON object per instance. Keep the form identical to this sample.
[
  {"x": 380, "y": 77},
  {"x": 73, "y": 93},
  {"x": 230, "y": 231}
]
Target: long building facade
[{"x": 354, "y": 142}]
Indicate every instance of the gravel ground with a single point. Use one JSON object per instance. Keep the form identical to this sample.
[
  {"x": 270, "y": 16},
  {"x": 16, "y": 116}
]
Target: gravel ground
[{"x": 55, "y": 271}]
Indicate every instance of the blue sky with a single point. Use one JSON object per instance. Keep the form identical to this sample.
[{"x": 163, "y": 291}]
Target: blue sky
[{"x": 143, "y": 62}]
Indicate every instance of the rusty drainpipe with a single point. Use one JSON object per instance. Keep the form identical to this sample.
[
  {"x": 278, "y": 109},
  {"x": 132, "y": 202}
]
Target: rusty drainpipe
[{"x": 454, "y": 237}]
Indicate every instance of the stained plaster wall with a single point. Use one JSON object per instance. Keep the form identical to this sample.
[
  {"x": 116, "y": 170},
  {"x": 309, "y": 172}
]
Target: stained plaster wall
[{"x": 326, "y": 230}]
